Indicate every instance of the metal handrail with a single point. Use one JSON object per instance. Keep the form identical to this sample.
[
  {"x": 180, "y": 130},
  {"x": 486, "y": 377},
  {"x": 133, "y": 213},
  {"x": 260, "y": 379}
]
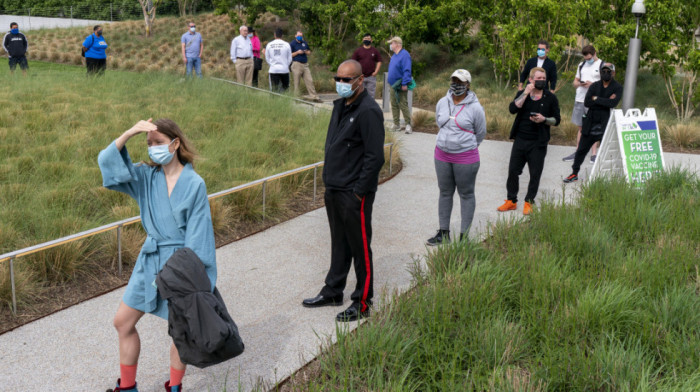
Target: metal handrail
[
  {"x": 269, "y": 92},
  {"x": 11, "y": 256}
]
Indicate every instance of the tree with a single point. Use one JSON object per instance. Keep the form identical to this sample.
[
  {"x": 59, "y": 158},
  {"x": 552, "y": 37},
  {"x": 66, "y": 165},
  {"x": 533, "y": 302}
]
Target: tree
[{"x": 149, "y": 13}]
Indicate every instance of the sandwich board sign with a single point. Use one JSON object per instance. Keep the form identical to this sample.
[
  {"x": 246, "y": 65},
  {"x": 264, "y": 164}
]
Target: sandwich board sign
[{"x": 631, "y": 146}]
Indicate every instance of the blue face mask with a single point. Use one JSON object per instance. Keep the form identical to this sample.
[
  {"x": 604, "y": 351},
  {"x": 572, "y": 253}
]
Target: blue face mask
[
  {"x": 344, "y": 89},
  {"x": 540, "y": 52},
  {"x": 14, "y": 31},
  {"x": 300, "y": 38},
  {"x": 161, "y": 154},
  {"x": 591, "y": 61}
]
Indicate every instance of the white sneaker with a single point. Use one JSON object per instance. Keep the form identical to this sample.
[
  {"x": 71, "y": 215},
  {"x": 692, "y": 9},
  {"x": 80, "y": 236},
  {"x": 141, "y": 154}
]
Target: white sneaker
[{"x": 409, "y": 129}]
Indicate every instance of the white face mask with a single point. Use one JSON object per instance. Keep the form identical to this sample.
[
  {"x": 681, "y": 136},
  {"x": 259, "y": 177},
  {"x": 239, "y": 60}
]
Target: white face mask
[{"x": 192, "y": 29}]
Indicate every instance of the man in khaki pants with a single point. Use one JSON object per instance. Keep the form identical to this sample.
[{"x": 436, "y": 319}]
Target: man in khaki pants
[
  {"x": 242, "y": 56},
  {"x": 300, "y": 65}
]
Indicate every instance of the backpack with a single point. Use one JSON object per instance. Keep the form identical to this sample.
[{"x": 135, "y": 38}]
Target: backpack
[{"x": 83, "y": 50}]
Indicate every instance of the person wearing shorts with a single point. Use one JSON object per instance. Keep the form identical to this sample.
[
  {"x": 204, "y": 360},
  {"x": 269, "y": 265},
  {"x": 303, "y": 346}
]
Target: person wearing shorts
[{"x": 15, "y": 44}]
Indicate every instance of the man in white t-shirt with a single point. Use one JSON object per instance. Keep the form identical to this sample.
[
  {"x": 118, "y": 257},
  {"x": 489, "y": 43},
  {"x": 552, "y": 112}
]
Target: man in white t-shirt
[
  {"x": 278, "y": 54},
  {"x": 587, "y": 73}
]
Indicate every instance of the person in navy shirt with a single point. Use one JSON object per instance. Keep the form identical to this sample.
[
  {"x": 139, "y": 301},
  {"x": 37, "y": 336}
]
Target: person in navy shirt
[
  {"x": 94, "y": 47},
  {"x": 300, "y": 65}
]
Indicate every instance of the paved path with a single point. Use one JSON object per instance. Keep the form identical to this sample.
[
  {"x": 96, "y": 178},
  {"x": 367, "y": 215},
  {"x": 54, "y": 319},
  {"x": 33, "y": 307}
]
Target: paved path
[{"x": 263, "y": 279}]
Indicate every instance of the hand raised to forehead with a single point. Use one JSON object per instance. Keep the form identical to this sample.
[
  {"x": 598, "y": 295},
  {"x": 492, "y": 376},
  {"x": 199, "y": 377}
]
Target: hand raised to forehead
[{"x": 144, "y": 126}]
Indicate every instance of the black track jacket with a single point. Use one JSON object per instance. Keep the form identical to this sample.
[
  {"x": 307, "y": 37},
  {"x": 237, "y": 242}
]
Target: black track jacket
[
  {"x": 15, "y": 44},
  {"x": 354, "y": 146}
]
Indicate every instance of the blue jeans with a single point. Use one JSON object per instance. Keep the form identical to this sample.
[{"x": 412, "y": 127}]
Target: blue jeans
[{"x": 197, "y": 63}]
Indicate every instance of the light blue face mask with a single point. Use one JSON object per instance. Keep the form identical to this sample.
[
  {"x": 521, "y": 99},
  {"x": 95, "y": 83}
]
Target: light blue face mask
[
  {"x": 540, "y": 52},
  {"x": 344, "y": 89},
  {"x": 161, "y": 154},
  {"x": 591, "y": 61}
]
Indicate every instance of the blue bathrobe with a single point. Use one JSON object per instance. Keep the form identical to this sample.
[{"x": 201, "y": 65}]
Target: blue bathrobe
[{"x": 181, "y": 220}]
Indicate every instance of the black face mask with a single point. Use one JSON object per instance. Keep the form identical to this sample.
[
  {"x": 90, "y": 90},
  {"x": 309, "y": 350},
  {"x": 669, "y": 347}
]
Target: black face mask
[
  {"x": 366, "y": 42},
  {"x": 98, "y": 33},
  {"x": 540, "y": 84},
  {"x": 606, "y": 76}
]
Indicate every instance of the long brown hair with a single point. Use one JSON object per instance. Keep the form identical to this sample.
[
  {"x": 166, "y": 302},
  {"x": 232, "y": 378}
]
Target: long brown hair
[{"x": 185, "y": 152}]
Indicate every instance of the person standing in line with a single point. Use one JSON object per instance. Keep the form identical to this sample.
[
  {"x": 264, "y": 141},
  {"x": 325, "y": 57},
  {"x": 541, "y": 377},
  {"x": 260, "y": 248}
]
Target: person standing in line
[
  {"x": 95, "y": 48},
  {"x": 587, "y": 73},
  {"x": 354, "y": 155},
  {"x": 536, "y": 109},
  {"x": 15, "y": 44},
  {"x": 175, "y": 213},
  {"x": 371, "y": 61},
  {"x": 300, "y": 66},
  {"x": 602, "y": 96},
  {"x": 542, "y": 61},
  {"x": 257, "y": 61},
  {"x": 242, "y": 56},
  {"x": 278, "y": 54},
  {"x": 192, "y": 48},
  {"x": 462, "y": 123},
  {"x": 399, "y": 78}
]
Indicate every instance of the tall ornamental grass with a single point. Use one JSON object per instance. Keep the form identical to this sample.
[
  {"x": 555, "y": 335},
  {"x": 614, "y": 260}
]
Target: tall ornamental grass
[{"x": 602, "y": 295}]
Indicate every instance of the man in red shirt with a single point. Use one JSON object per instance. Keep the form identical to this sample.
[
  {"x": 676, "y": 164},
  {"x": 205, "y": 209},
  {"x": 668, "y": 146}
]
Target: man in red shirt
[{"x": 371, "y": 60}]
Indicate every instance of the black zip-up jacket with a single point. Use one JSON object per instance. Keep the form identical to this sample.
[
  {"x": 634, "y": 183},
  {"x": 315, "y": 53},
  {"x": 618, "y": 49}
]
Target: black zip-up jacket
[
  {"x": 596, "y": 120},
  {"x": 15, "y": 44},
  {"x": 354, "y": 146},
  {"x": 201, "y": 327},
  {"x": 550, "y": 69},
  {"x": 548, "y": 107}
]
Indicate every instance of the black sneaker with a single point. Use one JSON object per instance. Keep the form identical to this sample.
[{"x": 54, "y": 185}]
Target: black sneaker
[
  {"x": 569, "y": 158},
  {"x": 571, "y": 178},
  {"x": 593, "y": 157},
  {"x": 439, "y": 238}
]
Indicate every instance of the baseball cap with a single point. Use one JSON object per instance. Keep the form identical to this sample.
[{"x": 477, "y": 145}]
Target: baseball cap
[
  {"x": 609, "y": 66},
  {"x": 463, "y": 75},
  {"x": 395, "y": 39}
]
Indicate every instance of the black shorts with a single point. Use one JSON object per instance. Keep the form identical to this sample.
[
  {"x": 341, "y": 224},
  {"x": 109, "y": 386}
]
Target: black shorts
[{"x": 22, "y": 61}]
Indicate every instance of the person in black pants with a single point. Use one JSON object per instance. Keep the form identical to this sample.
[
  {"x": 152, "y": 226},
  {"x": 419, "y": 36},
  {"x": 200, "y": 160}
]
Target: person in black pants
[
  {"x": 536, "y": 109},
  {"x": 602, "y": 96},
  {"x": 354, "y": 155},
  {"x": 94, "y": 47}
]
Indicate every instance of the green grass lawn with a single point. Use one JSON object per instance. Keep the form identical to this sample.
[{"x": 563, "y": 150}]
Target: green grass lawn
[
  {"x": 603, "y": 295},
  {"x": 54, "y": 122}
]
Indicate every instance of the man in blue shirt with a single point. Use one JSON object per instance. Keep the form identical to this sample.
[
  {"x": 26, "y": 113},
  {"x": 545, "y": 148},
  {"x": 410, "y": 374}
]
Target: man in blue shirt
[
  {"x": 192, "y": 48},
  {"x": 300, "y": 65},
  {"x": 94, "y": 47},
  {"x": 399, "y": 78}
]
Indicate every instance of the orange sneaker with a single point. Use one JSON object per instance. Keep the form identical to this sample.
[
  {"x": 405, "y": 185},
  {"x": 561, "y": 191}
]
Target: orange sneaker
[
  {"x": 508, "y": 206},
  {"x": 527, "y": 208}
]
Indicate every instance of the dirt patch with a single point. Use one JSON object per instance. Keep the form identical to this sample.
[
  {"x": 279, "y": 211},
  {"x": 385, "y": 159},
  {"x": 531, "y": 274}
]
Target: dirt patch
[{"x": 100, "y": 280}]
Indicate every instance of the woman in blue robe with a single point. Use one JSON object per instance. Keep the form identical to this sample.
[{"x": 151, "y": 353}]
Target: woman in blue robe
[{"x": 175, "y": 213}]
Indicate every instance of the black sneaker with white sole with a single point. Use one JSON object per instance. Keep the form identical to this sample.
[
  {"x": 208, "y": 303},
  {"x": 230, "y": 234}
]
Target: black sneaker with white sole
[{"x": 442, "y": 236}]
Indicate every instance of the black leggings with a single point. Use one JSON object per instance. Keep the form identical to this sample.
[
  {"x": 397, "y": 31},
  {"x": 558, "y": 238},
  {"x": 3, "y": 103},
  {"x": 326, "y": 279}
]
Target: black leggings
[
  {"x": 533, "y": 153},
  {"x": 95, "y": 66}
]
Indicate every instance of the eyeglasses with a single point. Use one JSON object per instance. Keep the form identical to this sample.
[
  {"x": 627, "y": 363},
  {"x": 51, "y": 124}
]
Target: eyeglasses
[
  {"x": 344, "y": 80},
  {"x": 193, "y": 26}
]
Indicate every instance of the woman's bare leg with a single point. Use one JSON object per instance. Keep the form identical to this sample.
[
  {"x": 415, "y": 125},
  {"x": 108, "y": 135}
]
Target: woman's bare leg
[{"x": 129, "y": 342}]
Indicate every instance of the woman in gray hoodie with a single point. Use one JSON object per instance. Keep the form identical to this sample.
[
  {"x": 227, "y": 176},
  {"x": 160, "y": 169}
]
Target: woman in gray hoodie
[{"x": 462, "y": 124}]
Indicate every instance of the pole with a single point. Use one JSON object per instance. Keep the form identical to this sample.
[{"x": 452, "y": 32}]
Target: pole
[
  {"x": 12, "y": 281},
  {"x": 263, "y": 204},
  {"x": 111, "y": 18},
  {"x": 315, "y": 170},
  {"x": 71, "y": 16},
  {"x": 119, "y": 248},
  {"x": 631, "y": 71}
]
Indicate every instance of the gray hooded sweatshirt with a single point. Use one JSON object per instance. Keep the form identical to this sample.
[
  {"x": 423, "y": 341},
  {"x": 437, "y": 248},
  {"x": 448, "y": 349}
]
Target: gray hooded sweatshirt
[{"x": 462, "y": 126}]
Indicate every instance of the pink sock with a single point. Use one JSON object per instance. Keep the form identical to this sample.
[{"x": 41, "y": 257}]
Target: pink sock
[
  {"x": 128, "y": 373},
  {"x": 176, "y": 376}
]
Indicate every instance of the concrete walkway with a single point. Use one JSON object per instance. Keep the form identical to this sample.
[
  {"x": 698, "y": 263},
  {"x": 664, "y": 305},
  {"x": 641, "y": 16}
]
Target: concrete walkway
[{"x": 263, "y": 279}]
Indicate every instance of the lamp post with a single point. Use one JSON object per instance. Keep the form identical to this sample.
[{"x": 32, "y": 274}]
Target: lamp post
[{"x": 633, "y": 54}]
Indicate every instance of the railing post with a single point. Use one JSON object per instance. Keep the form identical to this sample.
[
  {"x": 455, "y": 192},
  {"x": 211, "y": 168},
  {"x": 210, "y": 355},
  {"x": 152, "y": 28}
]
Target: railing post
[
  {"x": 263, "y": 206},
  {"x": 391, "y": 153},
  {"x": 119, "y": 248},
  {"x": 71, "y": 16},
  {"x": 315, "y": 170},
  {"x": 29, "y": 12},
  {"x": 111, "y": 19},
  {"x": 12, "y": 282}
]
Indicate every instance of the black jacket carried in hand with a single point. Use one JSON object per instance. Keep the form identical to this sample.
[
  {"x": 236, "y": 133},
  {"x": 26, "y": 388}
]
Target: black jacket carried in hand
[
  {"x": 202, "y": 330},
  {"x": 354, "y": 146},
  {"x": 548, "y": 107},
  {"x": 15, "y": 44},
  {"x": 550, "y": 69},
  {"x": 596, "y": 119}
]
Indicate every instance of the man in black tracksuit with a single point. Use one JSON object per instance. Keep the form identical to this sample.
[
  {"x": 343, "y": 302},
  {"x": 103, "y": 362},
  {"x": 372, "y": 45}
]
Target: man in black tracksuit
[
  {"x": 15, "y": 44},
  {"x": 602, "y": 96},
  {"x": 536, "y": 109},
  {"x": 354, "y": 156}
]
